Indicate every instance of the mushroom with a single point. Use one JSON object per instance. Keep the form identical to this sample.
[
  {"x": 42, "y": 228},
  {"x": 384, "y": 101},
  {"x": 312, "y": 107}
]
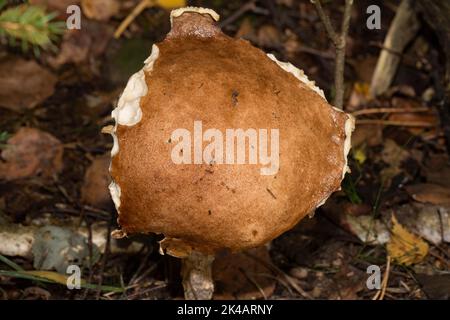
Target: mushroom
[{"x": 218, "y": 145}]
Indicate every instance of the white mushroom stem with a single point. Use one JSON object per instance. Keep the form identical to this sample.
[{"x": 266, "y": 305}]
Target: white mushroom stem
[{"x": 196, "y": 272}]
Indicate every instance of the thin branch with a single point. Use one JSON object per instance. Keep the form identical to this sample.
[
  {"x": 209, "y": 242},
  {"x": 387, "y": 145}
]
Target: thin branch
[
  {"x": 388, "y": 110},
  {"x": 380, "y": 293},
  {"x": 316, "y": 52},
  {"x": 282, "y": 275},
  {"x": 326, "y": 22},
  {"x": 346, "y": 21},
  {"x": 340, "y": 57},
  {"x": 238, "y": 13},
  {"x": 421, "y": 124},
  {"x": 339, "y": 41},
  {"x": 144, "y": 4}
]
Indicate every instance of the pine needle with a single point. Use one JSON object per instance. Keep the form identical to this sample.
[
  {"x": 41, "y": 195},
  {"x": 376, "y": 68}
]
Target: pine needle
[{"x": 31, "y": 25}]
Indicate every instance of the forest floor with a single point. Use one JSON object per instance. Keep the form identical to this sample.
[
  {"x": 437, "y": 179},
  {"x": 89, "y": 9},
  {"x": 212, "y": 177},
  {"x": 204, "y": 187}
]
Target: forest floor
[{"x": 392, "y": 213}]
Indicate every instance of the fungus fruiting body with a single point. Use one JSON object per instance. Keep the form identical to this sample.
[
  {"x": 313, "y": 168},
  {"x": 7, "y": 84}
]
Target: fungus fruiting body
[{"x": 270, "y": 149}]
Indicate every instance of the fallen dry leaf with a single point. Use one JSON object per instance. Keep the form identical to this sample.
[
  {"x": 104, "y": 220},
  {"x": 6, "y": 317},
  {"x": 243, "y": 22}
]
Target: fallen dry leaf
[
  {"x": 18, "y": 240},
  {"x": 36, "y": 293},
  {"x": 24, "y": 84},
  {"x": 370, "y": 134},
  {"x": 429, "y": 193},
  {"x": 31, "y": 152},
  {"x": 74, "y": 48},
  {"x": 400, "y": 91},
  {"x": 393, "y": 155},
  {"x": 57, "y": 247},
  {"x": 240, "y": 276},
  {"x": 360, "y": 95},
  {"x": 59, "y": 6},
  {"x": 436, "y": 287},
  {"x": 170, "y": 4},
  {"x": 79, "y": 45},
  {"x": 425, "y": 118},
  {"x": 291, "y": 44},
  {"x": 437, "y": 169},
  {"x": 95, "y": 190},
  {"x": 246, "y": 30},
  {"x": 408, "y": 102},
  {"x": 101, "y": 10},
  {"x": 429, "y": 221},
  {"x": 404, "y": 247},
  {"x": 268, "y": 36},
  {"x": 366, "y": 228},
  {"x": 287, "y": 3},
  {"x": 364, "y": 67},
  {"x": 100, "y": 102},
  {"x": 349, "y": 281}
]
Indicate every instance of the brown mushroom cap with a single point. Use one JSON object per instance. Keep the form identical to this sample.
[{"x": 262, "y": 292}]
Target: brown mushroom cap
[{"x": 199, "y": 74}]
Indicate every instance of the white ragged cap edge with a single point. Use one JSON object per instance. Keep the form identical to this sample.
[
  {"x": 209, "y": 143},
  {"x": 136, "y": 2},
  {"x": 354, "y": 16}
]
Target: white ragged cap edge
[
  {"x": 349, "y": 128},
  {"x": 178, "y": 12},
  {"x": 114, "y": 190},
  {"x": 128, "y": 111},
  {"x": 298, "y": 73}
]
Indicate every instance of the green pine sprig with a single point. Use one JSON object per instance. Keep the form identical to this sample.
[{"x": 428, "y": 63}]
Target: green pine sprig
[{"x": 30, "y": 25}]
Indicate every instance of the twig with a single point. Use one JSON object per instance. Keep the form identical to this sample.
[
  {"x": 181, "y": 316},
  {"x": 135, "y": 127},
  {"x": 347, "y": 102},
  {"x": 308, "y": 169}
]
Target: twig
[
  {"x": 388, "y": 110},
  {"x": 383, "y": 47},
  {"x": 441, "y": 259},
  {"x": 292, "y": 282},
  {"x": 339, "y": 41},
  {"x": 380, "y": 293},
  {"x": 129, "y": 19},
  {"x": 375, "y": 297},
  {"x": 340, "y": 56},
  {"x": 326, "y": 22},
  {"x": 238, "y": 13},
  {"x": 92, "y": 209},
  {"x": 254, "y": 282},
  {"x": 62, "y": 208},
  {"x": 140, "y": 267},
  {"x": 146, "y": 272},
  {"x": 316, "y": 52},
  {"x": 404, "y": 285},
  {"x": 142, "y": 292},
  {"x": 396, "y": 123},
  {"x": 385, "y": 278}
]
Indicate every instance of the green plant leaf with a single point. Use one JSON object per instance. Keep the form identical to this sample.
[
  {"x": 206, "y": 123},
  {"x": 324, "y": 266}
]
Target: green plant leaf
[
  {"x": 10, "y": 263},
  {"x": 350, "y": 190}
]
